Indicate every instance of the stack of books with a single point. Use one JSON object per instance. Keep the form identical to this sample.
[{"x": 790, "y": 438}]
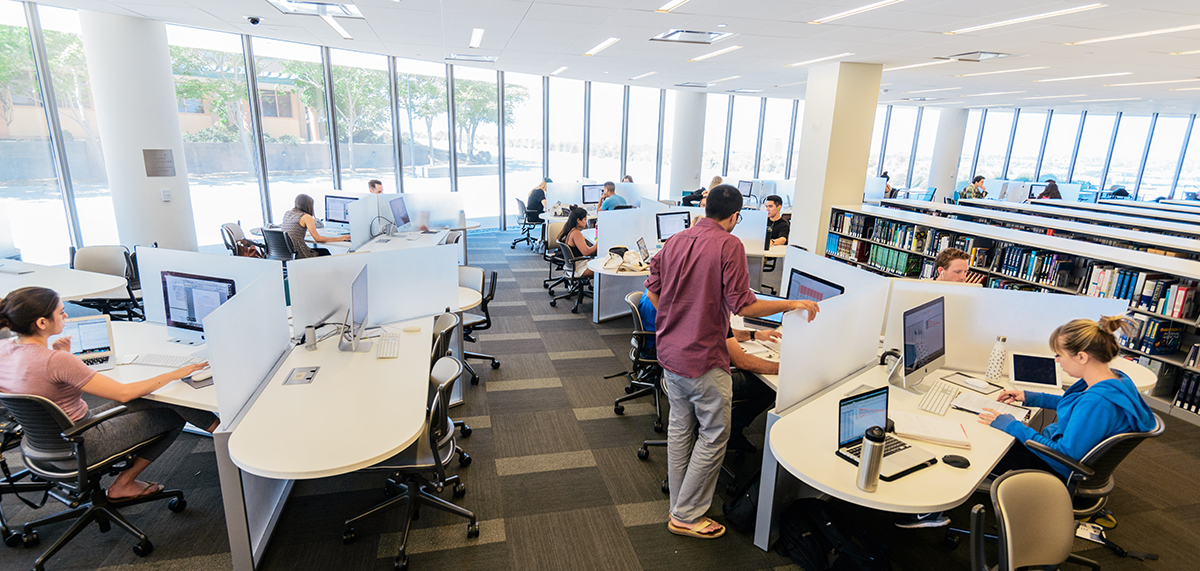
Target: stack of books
[{"x": 1188, "y": 395}]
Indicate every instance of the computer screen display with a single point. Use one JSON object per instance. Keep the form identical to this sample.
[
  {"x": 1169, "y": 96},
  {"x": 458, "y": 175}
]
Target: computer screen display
[
  {"x": 672, "y": 223},
  {"x": 190, "y": 298},
  {"x": 89, "y": 335},
  {"x": 745, "y": 187},
  {"x": 1036, "y": 189},
  {"x": 924, "y": 334},
  {"x": 592, "y": 192},
  {"x": 399, "y": 212},
  {"x": 806, "y": 286},
  {"x": 337, "y": 209},
  {"x": 1034, "y": 370},
  {"x": 641, "y": 244},
  {"x": 858, "y": 413},
  {"x": 771, "y": 321}
]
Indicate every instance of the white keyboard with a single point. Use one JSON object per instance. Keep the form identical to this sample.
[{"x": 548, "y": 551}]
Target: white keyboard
[
  {"x": 937, "y": 400},
  {"x": 773, "y": 346},
  {"x": 387, "y": 346},
  {"x": 172, "y": 361}
]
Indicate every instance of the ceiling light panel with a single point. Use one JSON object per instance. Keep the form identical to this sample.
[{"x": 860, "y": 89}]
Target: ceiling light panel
[
  {"x": 855, "y": 11},
  {"x": 673, "y": 4},
  {"x": 1152, "y": 82},
  {"x": 476, "y": 38},
  {"x": 1024, "y": 19},
  {"x": 601, "y": 46},
  {"x": 336, "y": 27},
  {"x": 559, "y": 70},
  {"x": 916, "y": 65},
  {"x": 1103, "y": 100},
  {"x": 1003, "y": 71},
  {"x": 643, "y": 76},
  {"x": 933, "y": 90},
  {"x": 692, "y": 37},
  {"x": 1053, "y": 97},
  {"x": 1137, "y": 35},
  {"x": 716, "y": 53},
  {"x": 1083, "y": 77},
  {"x": 817, "y": 60}
]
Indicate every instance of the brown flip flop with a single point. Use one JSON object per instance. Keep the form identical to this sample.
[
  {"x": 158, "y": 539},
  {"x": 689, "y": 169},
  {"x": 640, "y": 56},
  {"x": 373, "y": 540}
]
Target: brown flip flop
[
  {"x": 698, "y": 531},
  {"x": 151, "y": 488}
]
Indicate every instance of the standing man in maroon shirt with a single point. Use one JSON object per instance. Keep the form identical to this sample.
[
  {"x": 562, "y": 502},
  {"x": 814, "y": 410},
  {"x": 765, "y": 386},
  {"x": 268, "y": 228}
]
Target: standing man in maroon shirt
[{"x": 696, "y": 282}]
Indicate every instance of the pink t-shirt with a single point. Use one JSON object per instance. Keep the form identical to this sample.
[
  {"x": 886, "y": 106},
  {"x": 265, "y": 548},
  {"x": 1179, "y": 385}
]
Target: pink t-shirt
[{"x": 36, "y": 370}]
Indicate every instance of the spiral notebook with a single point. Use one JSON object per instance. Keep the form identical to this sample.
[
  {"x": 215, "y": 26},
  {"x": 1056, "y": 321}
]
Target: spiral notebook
[
  {"x": 975, "y": 403},
  {"x": 929, "y": 429}
]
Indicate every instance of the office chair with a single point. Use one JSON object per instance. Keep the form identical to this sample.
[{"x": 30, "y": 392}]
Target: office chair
[
  {"x": 114, "y": 261},
  {"x": 279, "y": 245},
  {"x": 54, "y": 450},
  {"x": 452, "y": 237},
  {"x": 552, "y": 256},
  {"x": 10, "y": 438},
  {"x": 443, "y": 327},
  {"x": 230, "y": 234},
  {"x": 577, "y": 287},
  {"x": 422, "y": 466},
  {"x": 530, "y": 220},
  {"x": 1033, "y": 513},
  {"x": 645, "y": 378},
  {"x": 474, "y": 278}
]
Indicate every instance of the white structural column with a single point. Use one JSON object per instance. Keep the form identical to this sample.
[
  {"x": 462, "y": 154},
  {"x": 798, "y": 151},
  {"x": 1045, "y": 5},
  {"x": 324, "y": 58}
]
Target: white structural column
[
  {"x": 687, "y": 143},
  {"x": 839, "y": 114},
  {"x": 947, "y": 150},
  {"x": 130, "y": 71}
]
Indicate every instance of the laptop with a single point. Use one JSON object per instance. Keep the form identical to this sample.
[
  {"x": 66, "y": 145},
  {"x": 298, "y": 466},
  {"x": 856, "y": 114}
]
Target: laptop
[
  {"x": 91, "y": 341},
  {"x": 770, "y": 321},
  {"x": 641, "y": 244},
  {"x": 859, "y": 412}
]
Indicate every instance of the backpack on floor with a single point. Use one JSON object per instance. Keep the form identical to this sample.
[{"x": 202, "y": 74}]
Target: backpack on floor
[
  {"x": 742, "y": 511},
  {"x": 816, "y": 541}
]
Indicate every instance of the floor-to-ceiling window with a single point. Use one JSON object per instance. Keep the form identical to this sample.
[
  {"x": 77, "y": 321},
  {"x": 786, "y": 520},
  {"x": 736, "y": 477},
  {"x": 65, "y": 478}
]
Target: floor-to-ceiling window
[
  {"x": 1031, "y": 124},
  {"x": 522, "y": 137},
  {"x": 1164, "y": 156},
  {"x": 566, "y": 129},
  {"x": 777, "y": 125},
  {"x": 424, "y": 140},
  {"x": 996, "y": 130},
  {"x": 1060, "y": 141},
  {"x": 876, "y": 140},
  {"x": 664, "y": 188},
  {"x": 476, "y": 111},
  {"x": 214, "y": 116},
  {"x": 1093, "y": 148},
  {"x": 926, "y": 140},
  {"x": 968, "y": 150},
  {"x": 1127, "y": 152},
  {"x": 1189, "y": 175},
  {"x": 716, "y": 115},
  {"x": 608, "y": 103},
  {"x": 643, "y": 134},
  {"x": 743, "y": 137},
  {"x": 899, "y": 145},
  {"x": 364, "y": 119}
]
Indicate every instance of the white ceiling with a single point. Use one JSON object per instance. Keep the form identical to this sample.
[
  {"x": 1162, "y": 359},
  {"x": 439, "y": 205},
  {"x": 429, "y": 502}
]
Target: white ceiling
[{"x": 539, "y": 36}]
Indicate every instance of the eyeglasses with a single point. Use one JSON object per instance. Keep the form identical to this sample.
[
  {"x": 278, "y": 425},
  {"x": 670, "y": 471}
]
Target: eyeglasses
[{"x": 738, "y": 218}]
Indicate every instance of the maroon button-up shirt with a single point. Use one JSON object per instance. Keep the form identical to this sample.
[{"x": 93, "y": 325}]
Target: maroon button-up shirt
[{"x": 701, "y": 278}]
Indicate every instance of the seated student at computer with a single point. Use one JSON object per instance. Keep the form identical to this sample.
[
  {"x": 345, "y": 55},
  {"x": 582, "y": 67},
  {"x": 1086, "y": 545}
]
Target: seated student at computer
[
  {"x": 572, "y": 236},
  {"x": 951, "y": 265},
  {"x": 1051, "y": 191},
  {"x": 610, "y": 199},
  {"x": 698, "y": 195},
  {"x": 777, "y": 227},
  {"x": 375, "y": 186},
  {"x": 29, "y": 367},
  {"x": 627, "y": 178},
  {"x": 536, "y": 202},
  {"x": 299, "y": 220},
  {"x": 974, "y": 190}
]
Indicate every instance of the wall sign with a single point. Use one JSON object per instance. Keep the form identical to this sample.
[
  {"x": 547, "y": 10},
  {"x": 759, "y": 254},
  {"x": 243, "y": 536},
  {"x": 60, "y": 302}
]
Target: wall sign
[{"x": 159, "y": 162}]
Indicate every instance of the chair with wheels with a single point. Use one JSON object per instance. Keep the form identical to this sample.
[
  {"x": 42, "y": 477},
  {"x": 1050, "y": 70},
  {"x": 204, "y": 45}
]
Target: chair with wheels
[
  {"x": 530, "y": 221},
  {"x": 279, "y": 245},
  {"x": 472, "y": 277},
  {"x": 577, "y": 286},
  {"x": 54, "y": 449},
  {"x": 10, "y": 438},
  {"x": 420, "y": 470},
  {"x": 114, "y": 261},
  {"x": 1036, "y": 528},
  {"x": 553, "y": 257},
  {"x": 645, "y": 378},
  {"x": 443, "y": 328}
]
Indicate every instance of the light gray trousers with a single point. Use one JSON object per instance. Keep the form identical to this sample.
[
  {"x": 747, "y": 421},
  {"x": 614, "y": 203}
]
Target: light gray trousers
[{"x": 697, "y": 432}]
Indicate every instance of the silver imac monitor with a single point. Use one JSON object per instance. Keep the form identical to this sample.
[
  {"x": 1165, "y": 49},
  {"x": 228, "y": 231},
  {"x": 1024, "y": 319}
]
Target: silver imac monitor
[
  {"x": 592, "y": 193},
  {"x": 746, "y": 187},
  {"x": 356, "y": 317},
  {"x": 336, "y": 209},
  {"x": 924, "y": 342},
  {"x": 399, "y": 212},
  {"x": 672, "y": 223},
  {"x": 188, "y": 299}
]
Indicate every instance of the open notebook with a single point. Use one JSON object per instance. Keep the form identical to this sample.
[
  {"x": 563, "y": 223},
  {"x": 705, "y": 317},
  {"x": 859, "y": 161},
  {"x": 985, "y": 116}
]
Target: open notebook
[{"x": 929, "y": 429}]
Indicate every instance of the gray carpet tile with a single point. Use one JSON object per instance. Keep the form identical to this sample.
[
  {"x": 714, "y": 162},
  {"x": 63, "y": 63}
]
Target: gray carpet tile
[
  {"x": 597, "y": 540},
  {"x": 554, "y": 491},
  {"x": 539, "y": 432}
]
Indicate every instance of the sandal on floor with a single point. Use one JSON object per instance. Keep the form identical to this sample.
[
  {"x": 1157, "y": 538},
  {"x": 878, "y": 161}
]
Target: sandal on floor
[
  {"x": 151, "y": 488},
  {"x": 702, "y": 531}
]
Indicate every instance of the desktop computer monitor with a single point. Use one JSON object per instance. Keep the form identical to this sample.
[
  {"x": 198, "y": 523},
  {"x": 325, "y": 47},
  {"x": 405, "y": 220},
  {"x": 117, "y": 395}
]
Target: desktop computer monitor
[
  {"x": 924, "y": 340},
  {"x": 592, "y": 192},
  {"x": 1036, "y": 189},
  {"x": 746, "y": 187},
  {"x": 399, "y": 212},
  {"x": 356, "y": 317},
  {"x": 188, "y": 299},
  {"x": 804, "y": 286},
  {"x": 336, "y": 209},
  {"x": 672, "y": 223}
]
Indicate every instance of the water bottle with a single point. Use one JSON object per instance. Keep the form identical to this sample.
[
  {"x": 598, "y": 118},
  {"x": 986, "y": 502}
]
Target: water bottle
[
  {"x": 995, "y": 367},
  {"x": 870, "y": 459}
]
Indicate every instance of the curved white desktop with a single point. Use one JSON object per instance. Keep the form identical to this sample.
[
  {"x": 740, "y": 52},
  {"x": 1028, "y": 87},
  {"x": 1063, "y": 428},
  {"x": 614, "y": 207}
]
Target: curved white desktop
[
  {"x": 70, "y": 284},
  {"x": 152, "y": 338}
]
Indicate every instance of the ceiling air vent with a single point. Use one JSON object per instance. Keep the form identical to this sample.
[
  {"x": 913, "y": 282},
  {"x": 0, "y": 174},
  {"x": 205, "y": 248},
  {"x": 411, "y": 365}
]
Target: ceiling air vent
[
  {"x": 976, "y": 56},
  {"x": 692, "y": 37}
]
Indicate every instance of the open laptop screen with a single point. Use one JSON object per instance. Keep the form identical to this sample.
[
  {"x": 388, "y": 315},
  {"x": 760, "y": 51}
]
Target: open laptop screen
[
  {"x": 89, "y": 335},
  {"x": 803, "y": 286},
  {"x": 771, "y": 321},
  {"x": 858, "y": 413}
]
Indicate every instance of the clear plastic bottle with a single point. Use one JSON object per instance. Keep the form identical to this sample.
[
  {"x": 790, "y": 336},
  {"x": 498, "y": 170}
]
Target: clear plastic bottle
[{"x": 995, "y": 367}]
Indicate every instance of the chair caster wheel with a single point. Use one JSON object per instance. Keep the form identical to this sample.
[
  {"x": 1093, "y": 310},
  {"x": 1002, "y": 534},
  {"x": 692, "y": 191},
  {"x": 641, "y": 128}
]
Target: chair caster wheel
[
  {"x": 466, "y": 431},
  {"x": 143, "y": 549},
  {"x": 474, "y": 379},
  {"x": 574, "y": 310},
  {"x": 658, "y": 426},
  {"x": 495, "y": 364},
  {"x": 11, "y": 538},
  {"x": 551, "y": 292},
  {"x": 348, "y": 535},
  {"x": 401, "y": 563},
  {"x": 629, "y": 389},
  {"x": 951, "y": 541},
  {"x": 552, "y": 302},
  {"x": 619, "y": 409},
  {"x": 666, "y": 486},
  {"x": 643, "y": 453},
  {"x": 177, "y": 505},
  {"x": 460, "y": 490},
  {"x": 464, "y": 459},
  {"x": 30, "y": 539},
  {"x": 472, "y": 530},
  {"x": 512, "y": 247}
]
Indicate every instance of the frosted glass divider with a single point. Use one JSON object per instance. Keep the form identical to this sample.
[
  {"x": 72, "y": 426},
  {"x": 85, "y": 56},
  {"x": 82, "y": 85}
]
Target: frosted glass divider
[
  {"x": 153, "y": 261},
  {"x": 565, "y": 192},
  {"x": 441, "y": 208},
  {"x": 246, "y": 337},
  {"x": 619, "y": 228},
  {"x": 752, "y": 230},
  {"x": 845, "y": 275},
  {"x": 362, "y": 214},
  {"x": 7, "y": 247}
]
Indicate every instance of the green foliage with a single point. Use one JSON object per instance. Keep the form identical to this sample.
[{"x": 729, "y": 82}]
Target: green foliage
[
  {"x": 212, "y": 134},
  {"x": 218, "y": 79},
  {"x": 16, "y": 65}
]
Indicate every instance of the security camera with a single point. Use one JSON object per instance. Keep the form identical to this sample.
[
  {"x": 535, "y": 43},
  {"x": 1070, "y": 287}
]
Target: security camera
[{"x": 254, "y": 20}]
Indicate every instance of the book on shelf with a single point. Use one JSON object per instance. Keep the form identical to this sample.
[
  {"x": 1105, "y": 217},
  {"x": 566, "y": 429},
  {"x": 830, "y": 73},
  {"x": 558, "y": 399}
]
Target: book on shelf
[
  {"x": 1162, "y": 337},
  {"x": 1192, "y": 356},
  {"x": 1188, "y": 395}
]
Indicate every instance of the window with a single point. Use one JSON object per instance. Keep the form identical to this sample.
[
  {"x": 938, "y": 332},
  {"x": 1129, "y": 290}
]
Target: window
[
  {"x": 996, "y": 129},
  {"x": 776, "y": 128},
  {"x": 219, "y": 147},
  {"x": 1164, "y": 155},
  {"x": 275, "y": 103},
  {"x": 968, "y": 150},
  {"x": 876, "y": 138},
  {"x": 664, "y": 189},
  {"x": 608, "y": 102},
  {"x": 716, "y": 114},
  {"x": 364, "y": 119},
  {"x": 1127, "y": 151},
  {"x": 1189, "y": 176},
  {"x": 743, "y": 138},
  {"x": 191, "y": 106},
  {"x": 1028, "y": 139},
  {"x": 643, "y": 134},
  {"x": 424, "y": 139},
  {"x": 522, "y": 137},
  {"x": 1060, "y": 142},
  {"x": 1093, "y": 147},
  {"x": 566, "y": 129},
  {"x": 476, "y": 111},
  {"x": 899, "y": 145},
  {"x": 919, "y": 178}
]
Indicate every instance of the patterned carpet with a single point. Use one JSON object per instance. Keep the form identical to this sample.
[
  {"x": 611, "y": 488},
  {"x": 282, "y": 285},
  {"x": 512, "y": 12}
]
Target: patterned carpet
[{"x": 555, "y": 481}]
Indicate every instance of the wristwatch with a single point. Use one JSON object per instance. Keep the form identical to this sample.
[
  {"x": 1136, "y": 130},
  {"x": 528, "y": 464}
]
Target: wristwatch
[{"x": 752, "y": 335}]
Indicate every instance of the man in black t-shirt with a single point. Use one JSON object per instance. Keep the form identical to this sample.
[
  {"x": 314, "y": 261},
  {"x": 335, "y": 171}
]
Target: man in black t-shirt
[{"x": 777, "y": 227}]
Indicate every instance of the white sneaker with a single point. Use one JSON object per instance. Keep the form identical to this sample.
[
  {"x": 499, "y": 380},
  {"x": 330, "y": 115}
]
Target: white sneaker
[{"x": 916, "y": 521}]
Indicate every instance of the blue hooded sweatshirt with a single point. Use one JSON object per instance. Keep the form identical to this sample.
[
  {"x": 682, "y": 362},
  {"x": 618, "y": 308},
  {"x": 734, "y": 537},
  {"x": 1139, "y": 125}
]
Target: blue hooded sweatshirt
[{"x": 1086, "y": 416}]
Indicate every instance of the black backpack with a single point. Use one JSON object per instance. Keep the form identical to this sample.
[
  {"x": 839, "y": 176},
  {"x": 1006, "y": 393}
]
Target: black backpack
[
  {"x": 816, "y": 541},
  {"x": 742, "y": 511}
]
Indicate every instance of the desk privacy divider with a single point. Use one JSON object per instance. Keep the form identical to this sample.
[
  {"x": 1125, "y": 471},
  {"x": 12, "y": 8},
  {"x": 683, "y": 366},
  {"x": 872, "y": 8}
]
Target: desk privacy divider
[
  {"x": 564, "y": 192},
  {"x": 7, "y": 247},
  {"x": 845, "y": 275},
  {"x": 362, "y": 217},
  {"x": 439, "y": 209},
  {"x": 975, "y": 316},
  {"x": 620, "y": 228},
  {"x": 153, "y": 261},
  {"x": 752, "y": 230},
  {"x": 636, "y": 194}
]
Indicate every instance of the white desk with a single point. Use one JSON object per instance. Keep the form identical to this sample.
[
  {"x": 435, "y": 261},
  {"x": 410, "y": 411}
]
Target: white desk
[
  {"x": 611, "y": 287},
  {"x": 1186, "y": 216},
  {"x": 384, "y": 243},
  {"x": 69, "y": 284},
  {"x": 1132, "y": 222},
  {"x": 357, "y": 412},
  {"x": 755, "y": 260},
  {"x": 470, "y": 226},
  {"x": 152, "y": 338}
]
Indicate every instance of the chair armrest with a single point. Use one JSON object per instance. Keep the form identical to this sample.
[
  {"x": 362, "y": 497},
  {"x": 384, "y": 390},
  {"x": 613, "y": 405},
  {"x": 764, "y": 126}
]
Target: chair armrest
[
  {"x": 977, "y": 538},
  {"x": 79, "y": 428},
  {"x": 1059, "y": 457}
]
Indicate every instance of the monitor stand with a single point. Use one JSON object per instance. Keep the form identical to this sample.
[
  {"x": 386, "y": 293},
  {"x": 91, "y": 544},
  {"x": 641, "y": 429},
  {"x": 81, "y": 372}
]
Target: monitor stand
[
  {"x": 185, "y": 341},
  {"x": 896, "y": 378}
]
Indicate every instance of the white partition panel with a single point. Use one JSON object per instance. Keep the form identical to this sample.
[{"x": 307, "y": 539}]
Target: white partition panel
[
  {"x": 320, "y": 288},
  {"x": 362, "y": 216},
  {"x": 1069, "y": 192},
  {"x": 785, "y": 188},
  {"x": 7, "y": 247},
  {"x": 975, "y": 316},
  {"x": 752, "y": 230},
  {"x": 246, "y": 337},
  {"x": 619, "y": 228},
  {"x": 153, "y": 261},
  {"x": 874, "y": 189},
  {"x": 849, "y": 277},
  {"x": 442, "y": 207},
  {"x": 841, "y": 340},
  {"x": 637, "y": 194},
  {"x": 564, "y": 192}
]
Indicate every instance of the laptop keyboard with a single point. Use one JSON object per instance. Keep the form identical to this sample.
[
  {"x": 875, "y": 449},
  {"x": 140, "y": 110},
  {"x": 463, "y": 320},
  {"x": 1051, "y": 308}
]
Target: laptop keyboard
[
  {"x": 95, "y": 361},
  {"x": 891, "y": 445}
]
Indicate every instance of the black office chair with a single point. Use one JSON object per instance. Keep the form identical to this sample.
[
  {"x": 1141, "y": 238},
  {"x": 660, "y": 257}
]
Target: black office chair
[
  {"x": 54, "y": 449},
  {"x": 279, "y": 245},
  {"x": 530, "y": 221},
  {"x": 14, "y": 483},
  {"x": 474, "y": 278},
  {"x": 645, "y": 378},
  {"x": 577, "y": 286},
  {"x": 553, "y": 257},
  {"x": 1033, "y": 514},
  {"x": 114, "y": 261},
  {"x": 422, "y": 466}
]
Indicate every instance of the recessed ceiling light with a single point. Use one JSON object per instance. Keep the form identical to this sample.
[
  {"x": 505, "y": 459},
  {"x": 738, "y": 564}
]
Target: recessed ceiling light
[
  {"x": 791, "y": 84},
  {"x": 601, "y": 46},
  {"x": 1193, "y": 52},
  {"x": 715, "y": 54},
  {"x": 471, "y": 58},
  {"x": 992, "y": 105},
  {"x": 854, "y": 11},
  {"x": 336, "y": 27},
  {"x": 1028, "y": 18},
  {"x": 922, "y": 98},
  {"x": 1003, "y": 71},
  {"x": 716, "y": 81},
  {"x": 745, "y": 90},
  {"x": 820, "y": 59},
  {"x": 720, "y": 25},
  {"x": 1185, "y": 89},
  {"x": 932, "y": 90},
  {"x": 1102, "y": 100},
  {"x": 673, "y": 4},
  {"x": 1137, "y": 35},
  {"x": 992, "y": 93},
  {"x": 1152, "y": 82},
  {"x": 928, "y": 63},
  {"x": 1053, "y": 97},
  {"x": 1083, "y": 77},
  {"x": 692, "y": 84},
  {"x": 559, "y": 70},
  {"x": 643, "y": 76},
  {"x": 476, "y": 38},
  {"x": 692, "y": 37}
]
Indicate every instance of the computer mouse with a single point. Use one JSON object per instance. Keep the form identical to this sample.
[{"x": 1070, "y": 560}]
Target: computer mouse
[
  {"x": 975, "y": 382},
  {"x": 202, "y": 375},
  {"x": 956, "y": 461}
]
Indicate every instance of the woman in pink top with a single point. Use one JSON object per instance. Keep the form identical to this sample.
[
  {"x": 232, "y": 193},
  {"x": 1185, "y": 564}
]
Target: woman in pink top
[{"x": 28, "y": 366}]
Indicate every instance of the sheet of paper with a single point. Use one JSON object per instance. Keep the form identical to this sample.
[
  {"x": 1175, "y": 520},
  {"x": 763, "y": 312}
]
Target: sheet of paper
[
  {"x": 975, "y": 402},
  {"x": 921, "y": 426}
]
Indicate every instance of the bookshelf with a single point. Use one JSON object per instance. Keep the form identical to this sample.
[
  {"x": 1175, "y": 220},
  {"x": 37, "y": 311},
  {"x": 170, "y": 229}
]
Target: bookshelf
[
  {"x": 1186, "y": 230},
  {"x": 1185, "y": 216},
  {"x": 1185, "y": 208},
  {"x": 1188, "y": 203},
  {"x": 1017, "y": 259}
]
